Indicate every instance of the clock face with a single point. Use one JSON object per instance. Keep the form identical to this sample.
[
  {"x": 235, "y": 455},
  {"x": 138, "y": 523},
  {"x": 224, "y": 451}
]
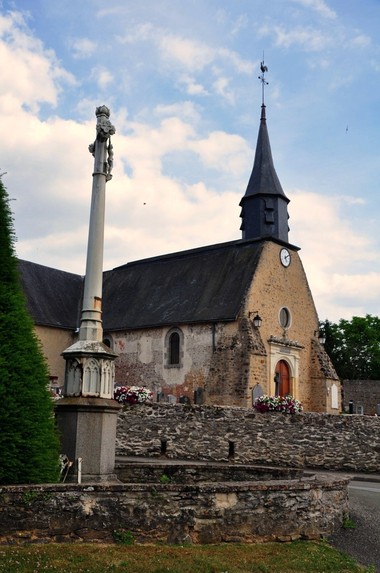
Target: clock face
[{"x": 285, "y": 257}]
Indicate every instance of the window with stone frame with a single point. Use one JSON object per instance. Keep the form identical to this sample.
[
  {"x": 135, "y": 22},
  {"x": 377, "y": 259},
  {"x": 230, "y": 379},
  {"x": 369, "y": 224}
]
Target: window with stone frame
[
  {"x": 285, "y": 317},
  {"x": 174, "y": 348}
]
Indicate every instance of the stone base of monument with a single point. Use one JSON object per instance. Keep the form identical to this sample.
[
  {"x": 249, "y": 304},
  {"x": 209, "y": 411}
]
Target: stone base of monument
[{"x": 87, "y": 427}]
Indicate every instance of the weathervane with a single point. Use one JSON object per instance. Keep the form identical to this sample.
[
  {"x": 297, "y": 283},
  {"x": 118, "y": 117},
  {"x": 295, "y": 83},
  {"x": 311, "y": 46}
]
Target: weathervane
[{"x": 264, "y": 83}]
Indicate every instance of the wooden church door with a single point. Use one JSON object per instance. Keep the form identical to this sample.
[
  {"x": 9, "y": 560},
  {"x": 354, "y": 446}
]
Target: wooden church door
[{"x": 282, "y": 373}]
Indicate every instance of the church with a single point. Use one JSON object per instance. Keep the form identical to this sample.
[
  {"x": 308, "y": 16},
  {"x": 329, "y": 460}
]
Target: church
[{"x": 215, "y": 325}]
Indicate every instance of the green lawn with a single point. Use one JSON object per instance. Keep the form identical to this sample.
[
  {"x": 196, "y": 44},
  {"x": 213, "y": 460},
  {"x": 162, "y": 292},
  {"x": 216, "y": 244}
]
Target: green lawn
[{"x": 307, "y": 557}]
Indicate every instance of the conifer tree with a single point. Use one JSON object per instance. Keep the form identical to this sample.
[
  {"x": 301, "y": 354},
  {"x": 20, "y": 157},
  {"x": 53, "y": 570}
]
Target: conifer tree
[{"x": 28, "y": 439}]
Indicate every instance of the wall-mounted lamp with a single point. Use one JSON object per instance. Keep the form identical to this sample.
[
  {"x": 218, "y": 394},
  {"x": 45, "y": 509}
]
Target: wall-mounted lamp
[
  {"x": 256, "y": 320},
  {"x": 320, "y": 335}
]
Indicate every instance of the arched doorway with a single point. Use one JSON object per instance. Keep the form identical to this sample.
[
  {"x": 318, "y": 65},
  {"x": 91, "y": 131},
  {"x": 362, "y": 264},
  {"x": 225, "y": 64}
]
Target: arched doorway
[{"x": 282, "y": 378}]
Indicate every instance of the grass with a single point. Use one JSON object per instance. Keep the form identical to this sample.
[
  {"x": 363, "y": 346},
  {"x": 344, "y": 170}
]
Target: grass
[
  {"x": 305, "y": 557},
  {"x": 349, "y": 523}
]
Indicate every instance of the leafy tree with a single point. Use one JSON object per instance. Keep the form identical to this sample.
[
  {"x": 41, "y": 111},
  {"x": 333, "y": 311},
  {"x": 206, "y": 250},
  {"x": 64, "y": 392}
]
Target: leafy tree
[
  {"x": 28, "y": 438},
  {"x": 354, "y": 347}
]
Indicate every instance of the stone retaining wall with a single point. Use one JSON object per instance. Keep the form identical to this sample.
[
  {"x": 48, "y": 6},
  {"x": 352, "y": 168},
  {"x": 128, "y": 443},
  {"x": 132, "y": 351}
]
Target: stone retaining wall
[
  {"x": 198, "y": 513},
  {"x": 247, "y": 437}
]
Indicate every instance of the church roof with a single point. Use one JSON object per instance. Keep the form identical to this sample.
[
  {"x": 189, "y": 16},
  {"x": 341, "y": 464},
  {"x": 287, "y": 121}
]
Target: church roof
[
  {"x": 200, "y": 285},
  {"x": 264, "y": 179},
  {"x": 53, "y": 297},
  {"x": 207, "y": 284}
]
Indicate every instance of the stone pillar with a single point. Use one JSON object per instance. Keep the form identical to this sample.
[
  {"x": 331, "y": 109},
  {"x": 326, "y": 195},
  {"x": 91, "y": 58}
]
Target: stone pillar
[
  {"x": 87, "y": 414},
  {"x": 102, "y": 150}
]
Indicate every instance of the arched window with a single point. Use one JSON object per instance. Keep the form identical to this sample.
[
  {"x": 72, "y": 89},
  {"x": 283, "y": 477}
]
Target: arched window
[
  {"x": 107, "y": 340},
  {"x": 174, "y": 348}
]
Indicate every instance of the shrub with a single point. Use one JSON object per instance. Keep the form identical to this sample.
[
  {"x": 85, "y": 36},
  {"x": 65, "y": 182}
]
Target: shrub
[{"x": 29, "y": 446}]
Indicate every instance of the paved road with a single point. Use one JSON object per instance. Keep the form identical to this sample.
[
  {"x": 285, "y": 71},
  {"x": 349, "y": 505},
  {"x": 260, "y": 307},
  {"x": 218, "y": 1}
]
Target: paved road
[{"x": 363, "y": 542}]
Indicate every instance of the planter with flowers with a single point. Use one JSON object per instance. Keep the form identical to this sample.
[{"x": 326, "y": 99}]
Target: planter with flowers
[
  {"x": 285, "y": 404},
  {"x": 133, "y": 395}
]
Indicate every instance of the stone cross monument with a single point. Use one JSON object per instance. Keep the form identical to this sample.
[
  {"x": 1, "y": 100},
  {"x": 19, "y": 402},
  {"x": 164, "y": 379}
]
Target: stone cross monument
[{"x": 87, "y": 414}]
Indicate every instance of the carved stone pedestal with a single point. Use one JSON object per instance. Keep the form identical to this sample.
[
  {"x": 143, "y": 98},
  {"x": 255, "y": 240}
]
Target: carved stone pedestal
[{"x": 88, "y": 431}]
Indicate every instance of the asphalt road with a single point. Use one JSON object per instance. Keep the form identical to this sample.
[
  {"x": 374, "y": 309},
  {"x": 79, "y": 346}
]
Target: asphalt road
[{"x": 363, "y": 542}]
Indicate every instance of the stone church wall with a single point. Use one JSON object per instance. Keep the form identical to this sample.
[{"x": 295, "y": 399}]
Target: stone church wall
[
  {"x": 225, "y": 360},
  {"x": 365, "y": 395},
  {"x": 326, "y": 387},
  {"x": 143, "y": 359},
  {"x": 273, "y": 288},
  {"x": 345, "y": 442},
  {"x": 237, "y": 365},
  {"x": 54, "y": 341}
]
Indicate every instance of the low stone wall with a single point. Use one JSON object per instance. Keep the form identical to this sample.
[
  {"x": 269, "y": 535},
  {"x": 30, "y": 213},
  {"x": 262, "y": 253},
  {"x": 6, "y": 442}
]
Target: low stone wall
[
  {"x": 198, "y": 513},
  {"x": 346, "y": 442},
  {"x": 194, "y": 472}
]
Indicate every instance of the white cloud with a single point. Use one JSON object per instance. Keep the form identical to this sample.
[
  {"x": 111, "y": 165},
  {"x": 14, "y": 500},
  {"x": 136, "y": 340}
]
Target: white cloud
[
  {"x": 30, "y": 74},
  {"x": 361, "y": 41},
  {"x": 338, "y": 258},
  {"x": 83, "y": 48},
  {"x": 240, "y": 23},
  {"x": 224, "y": 152},
  {"x": 148, "y": 212},
  {"x": 239, "y": 64},
  {"x": 185, "y": 53},
  {"x": 195, "y": 56},
  {"x": 186, "y": 109},
  {"x": 311, "y": 39},
  {"x": 319, "y": 6},
  {"x": 142, "y": 32},
  {"x": 235, "y": 23},
  {"x": 189, "y": 54},
  {"x": 102, "y": 76},
  {"x": 192, "y": 87},
  {"x": 222, "y": 88}
]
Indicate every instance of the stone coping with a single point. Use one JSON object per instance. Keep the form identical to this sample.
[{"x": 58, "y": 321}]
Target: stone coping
[{"x": 327, "y": 482}]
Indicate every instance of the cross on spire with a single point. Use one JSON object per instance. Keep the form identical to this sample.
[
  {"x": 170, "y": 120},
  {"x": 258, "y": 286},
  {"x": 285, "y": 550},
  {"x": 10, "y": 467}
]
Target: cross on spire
[{"x": 264, "y": 83}]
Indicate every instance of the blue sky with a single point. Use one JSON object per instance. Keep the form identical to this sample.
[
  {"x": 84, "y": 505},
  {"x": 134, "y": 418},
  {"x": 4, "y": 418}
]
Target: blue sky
[{"x": 181, "y": 80}]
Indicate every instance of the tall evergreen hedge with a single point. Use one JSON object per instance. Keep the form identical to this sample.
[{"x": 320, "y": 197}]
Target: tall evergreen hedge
[{"x": 29, "y": 446}]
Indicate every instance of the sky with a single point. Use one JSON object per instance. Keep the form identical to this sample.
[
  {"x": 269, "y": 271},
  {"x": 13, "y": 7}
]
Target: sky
[{"x": 181, "y": 80}]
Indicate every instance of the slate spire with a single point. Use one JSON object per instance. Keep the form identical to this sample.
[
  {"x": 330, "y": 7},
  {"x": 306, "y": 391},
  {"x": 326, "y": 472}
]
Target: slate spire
[{"x": 264, "y": 210}]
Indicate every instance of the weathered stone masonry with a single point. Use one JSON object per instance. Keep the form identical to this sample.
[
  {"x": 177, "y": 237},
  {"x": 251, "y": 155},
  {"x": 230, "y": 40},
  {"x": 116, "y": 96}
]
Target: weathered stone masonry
[
  {"x": 208, "y": 504},
  {"x": 364, "y": 394},
  {"x": 215, "y": 433},
  {"x": 197, "y": 513}
]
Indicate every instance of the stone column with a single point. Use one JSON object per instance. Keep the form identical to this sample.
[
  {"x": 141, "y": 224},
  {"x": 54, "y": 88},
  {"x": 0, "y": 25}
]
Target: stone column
[
  {"x": 101, "y": 149},
  {"x": 87, "y": 414}
]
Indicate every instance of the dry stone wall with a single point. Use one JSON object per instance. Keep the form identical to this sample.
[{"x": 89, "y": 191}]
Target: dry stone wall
[
  {"x": 346, "y": 442},
  {"x": 197, "y": 513}
]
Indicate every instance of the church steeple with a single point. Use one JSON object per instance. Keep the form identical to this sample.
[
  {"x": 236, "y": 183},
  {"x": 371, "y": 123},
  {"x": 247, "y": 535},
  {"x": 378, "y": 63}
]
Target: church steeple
[{"x": 264, "y": 210}]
